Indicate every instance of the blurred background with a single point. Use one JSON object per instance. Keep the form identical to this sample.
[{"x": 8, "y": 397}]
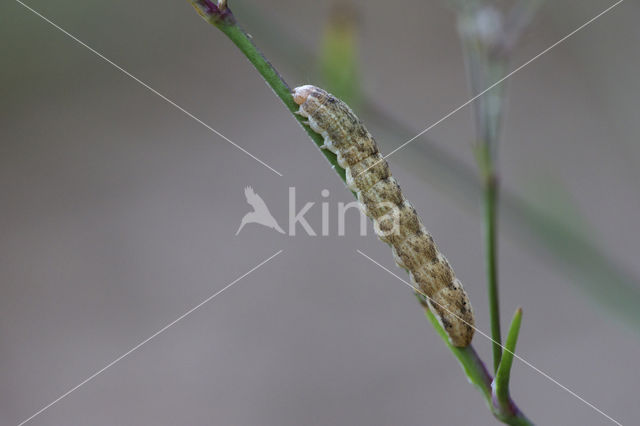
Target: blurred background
[{"x": 118, "y": 214}]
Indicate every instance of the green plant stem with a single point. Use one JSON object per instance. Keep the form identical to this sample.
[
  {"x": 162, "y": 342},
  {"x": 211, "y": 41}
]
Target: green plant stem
[
  {"x": 503, "y": 374},
  {"x": 491, "y": 253},
  {"x": 469, "y": 360},
  {"x": 506, "y": 411},
  {"x": 483, "y": 69},
  {"x": 224, "y": 20},
  {"x": 491, "y": 191}
]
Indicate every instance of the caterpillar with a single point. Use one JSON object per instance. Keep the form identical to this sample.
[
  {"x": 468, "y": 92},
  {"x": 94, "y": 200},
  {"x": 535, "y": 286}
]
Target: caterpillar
[{"x": 395, "y": 220}]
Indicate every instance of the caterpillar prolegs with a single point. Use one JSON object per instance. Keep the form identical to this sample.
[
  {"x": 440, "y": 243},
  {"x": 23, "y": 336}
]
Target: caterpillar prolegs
[{"x": 395, "y": 220}]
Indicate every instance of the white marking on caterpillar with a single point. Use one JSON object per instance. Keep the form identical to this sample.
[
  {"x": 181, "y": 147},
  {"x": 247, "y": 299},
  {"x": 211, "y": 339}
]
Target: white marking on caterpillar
[{"x": 395, "y": 220}]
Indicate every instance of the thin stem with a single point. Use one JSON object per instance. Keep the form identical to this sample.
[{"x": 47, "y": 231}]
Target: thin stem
[
  {"x": 507, "y": 411},
  {"x": 491, "y": 253},
  {"x": 224, "y": 20},
  {"x": 469, "y": 360},
  {"x": 488, "y": 115},
  {"x": 503, "y": 375},
  {"x": 484, "y": 67}
]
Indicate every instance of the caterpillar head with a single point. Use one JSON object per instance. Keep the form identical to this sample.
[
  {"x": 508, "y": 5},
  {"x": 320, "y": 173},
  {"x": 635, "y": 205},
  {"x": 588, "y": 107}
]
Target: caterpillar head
[
  {"x": 311, "y": 98},
  {"x": 302, "y": 93}
]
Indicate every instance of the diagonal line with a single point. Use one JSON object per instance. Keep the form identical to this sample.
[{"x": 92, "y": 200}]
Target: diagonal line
[
  {"x": 162, "y": 330},
  {"x": 470, "y": 101},
  {"x": 145, "y": 85},
  {"x": 497, "y": 343}
]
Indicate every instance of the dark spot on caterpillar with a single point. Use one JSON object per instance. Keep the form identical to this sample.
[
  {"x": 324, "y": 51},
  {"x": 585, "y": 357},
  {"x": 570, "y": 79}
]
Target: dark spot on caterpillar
[{"x": 445, "y": 323}]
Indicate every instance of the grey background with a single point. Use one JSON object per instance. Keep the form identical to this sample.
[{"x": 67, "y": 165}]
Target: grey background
[{"x": 118, "y": 214}]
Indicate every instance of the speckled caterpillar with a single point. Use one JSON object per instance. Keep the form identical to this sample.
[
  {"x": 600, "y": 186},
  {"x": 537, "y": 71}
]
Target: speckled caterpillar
[{"x": 395, "y": 220}]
